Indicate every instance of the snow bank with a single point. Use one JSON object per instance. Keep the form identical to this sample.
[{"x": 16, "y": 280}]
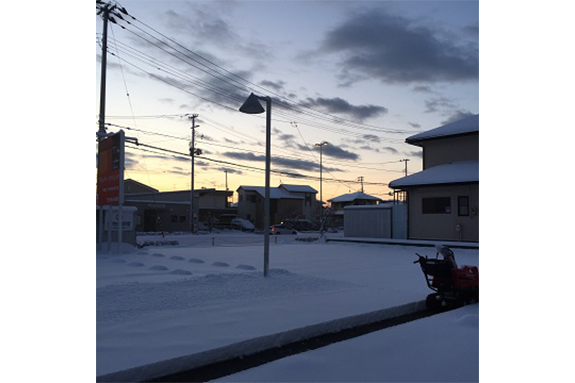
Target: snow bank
[{"x": 148, "y": 314}]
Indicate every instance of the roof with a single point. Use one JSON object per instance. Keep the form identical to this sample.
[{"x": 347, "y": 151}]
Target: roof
[
  {"x": 298, "y": 188},
  {"x": 354, "y": 196},
  {"x": 464, "y": 126},
  {"x": 144, "y": 186},
  {"x": 451, "y": 173},
  {"x": 275, "y": 193}
]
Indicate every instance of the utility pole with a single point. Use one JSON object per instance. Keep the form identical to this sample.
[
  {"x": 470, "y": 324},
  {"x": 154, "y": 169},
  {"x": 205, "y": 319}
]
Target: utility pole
[
  {"x": 321, "y": 145},
  {"x": 360, "y": 179},
  {"x": 405, "y": 160},
  {"x": 193, "y": 152},
  {"x": 106, "y": 10},
  {"x": 226, "y": 171}
]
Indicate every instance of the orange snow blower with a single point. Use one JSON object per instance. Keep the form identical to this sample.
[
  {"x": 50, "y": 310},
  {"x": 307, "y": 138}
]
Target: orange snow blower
[{"x": 452, "y": 286}]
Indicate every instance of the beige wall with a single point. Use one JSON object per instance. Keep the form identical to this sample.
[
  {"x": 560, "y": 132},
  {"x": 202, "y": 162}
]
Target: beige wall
[
  {"x": 249, "y": 210},
  {"x": 442, "y": 226},
  {"x": 443, "y": 151}
]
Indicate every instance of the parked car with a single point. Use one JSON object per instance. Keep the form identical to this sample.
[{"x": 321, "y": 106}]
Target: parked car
[
  {"x": 282, "y": 229},
  {"x": 242, "y": 224},
  {"x": 225, "y": 221},
  {"x": 300, "y": 224}
]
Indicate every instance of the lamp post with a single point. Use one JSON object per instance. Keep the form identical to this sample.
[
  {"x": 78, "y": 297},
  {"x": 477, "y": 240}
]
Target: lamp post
[
  {"x": 321, "y": 145},
  {"x": 253, "y": 106}
]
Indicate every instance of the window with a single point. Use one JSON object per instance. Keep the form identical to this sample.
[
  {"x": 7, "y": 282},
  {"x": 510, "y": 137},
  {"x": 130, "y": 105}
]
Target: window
[
  {"x": 182, "y": 218},
  {"x": 463, "y": 206},
  {"x": 174, "y": 219},
  {"x": 307, "y": 199},
  {"x": 437, "y": 205}
]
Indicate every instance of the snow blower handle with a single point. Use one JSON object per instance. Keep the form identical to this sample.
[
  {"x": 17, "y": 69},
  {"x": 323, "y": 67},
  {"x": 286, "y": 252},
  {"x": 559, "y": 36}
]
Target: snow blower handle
[{"x": 419, "y": 259}]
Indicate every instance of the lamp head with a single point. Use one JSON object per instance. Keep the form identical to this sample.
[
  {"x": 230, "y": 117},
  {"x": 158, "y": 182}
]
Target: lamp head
[{"x": 252, "y": 105}]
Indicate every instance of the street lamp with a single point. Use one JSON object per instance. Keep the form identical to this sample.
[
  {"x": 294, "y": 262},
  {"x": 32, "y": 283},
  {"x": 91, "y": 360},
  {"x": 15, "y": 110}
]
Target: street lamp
[
  {"x": 321, "y": 145},
  {"x": 253, "y": 106}
]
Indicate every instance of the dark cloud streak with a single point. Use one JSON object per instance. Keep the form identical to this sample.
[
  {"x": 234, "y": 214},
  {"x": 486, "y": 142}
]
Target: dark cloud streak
[{"x": 394, "y": 50}]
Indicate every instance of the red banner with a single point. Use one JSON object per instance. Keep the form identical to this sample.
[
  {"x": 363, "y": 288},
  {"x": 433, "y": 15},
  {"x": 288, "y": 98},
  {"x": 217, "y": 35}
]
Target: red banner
[{"x": 110, "y": 174}]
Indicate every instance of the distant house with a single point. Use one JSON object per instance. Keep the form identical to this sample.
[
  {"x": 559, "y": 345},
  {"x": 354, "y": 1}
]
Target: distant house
[
  {"x": 357, "y": 198},
  {"x": 286, "y": 202},
  {"x": 443, "y": 198},
  {"x": 350, "y": 199},
  {"x": 170, "y": 211}
]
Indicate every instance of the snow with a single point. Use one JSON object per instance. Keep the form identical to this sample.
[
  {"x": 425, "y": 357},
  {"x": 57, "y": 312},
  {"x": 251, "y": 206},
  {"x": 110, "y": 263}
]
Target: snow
[
  {"x": 434, "y": 349},
  {"x": 354, "y": 196},
  {"x": 275, "y": 193},
  {"x": 180, "y": 306},
  {"x": 453, "y": 172},
  {"x": 463, "y": 126},
  {"x": 298, "y": 188}
]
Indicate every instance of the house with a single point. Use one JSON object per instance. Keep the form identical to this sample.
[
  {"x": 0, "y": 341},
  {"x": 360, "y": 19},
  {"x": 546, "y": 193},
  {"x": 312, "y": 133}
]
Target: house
[
  {"x": 170, "y": 211},
  {"x": 135, "y": 187},
  {"x": 350, "y": 199},
  {"x": 443, "y": 198},
  {"x": 286, "y": 202},
  {"x": 357, "y": 198}
]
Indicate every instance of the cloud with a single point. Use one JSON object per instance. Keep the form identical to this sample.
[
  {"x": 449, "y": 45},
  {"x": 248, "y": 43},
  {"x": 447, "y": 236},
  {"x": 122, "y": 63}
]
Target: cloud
[
  {"x": 392, "y": 49},
  {"x": 341, "y": 106},
  {"x": 418, "y": 154},
  {"x": 458, "y": 115},
  {"x": 372, "y": 138},
  {"x": 230, "y": 170},
  {"x": 434, "y": 104},
  {"x": 279, "y": 161},
  {"x": 277, "y": 85},
  {"x": 204, "y": 25},
  {"x": 338, "y": 152}
]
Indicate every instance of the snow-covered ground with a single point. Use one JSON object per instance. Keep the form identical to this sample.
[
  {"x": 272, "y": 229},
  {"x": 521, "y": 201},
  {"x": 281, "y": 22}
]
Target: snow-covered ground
[
  {"x": 160, "y": 303},
  {"x": 442, "y": 348}
]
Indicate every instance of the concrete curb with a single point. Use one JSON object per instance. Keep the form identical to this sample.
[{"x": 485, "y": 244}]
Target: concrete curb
[
  {"x": 251, "y": 346},
  {"x": 406, "y": 242}
]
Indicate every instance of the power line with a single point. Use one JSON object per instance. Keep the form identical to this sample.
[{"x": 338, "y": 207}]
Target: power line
[
  {"x": 231, "y": 78},
  {"x": 280, "y": 172},
  {"x": 254, "y": 151}
]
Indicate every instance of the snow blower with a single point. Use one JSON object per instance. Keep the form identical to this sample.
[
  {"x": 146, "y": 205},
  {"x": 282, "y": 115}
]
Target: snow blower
[{"x": 452, "y": 286}]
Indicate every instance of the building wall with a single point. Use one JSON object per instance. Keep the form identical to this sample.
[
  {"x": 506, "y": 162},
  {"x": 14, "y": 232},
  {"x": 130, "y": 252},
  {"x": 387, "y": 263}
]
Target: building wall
[
  {"x": 374, "y": 222},
  {"x": 214, "y": 200},
  {"x": 442, "y": 226},
  {"x": 248, "y": 206},
  {"x": 451, "y": 149},
  {"x": 284, "y": 209}
]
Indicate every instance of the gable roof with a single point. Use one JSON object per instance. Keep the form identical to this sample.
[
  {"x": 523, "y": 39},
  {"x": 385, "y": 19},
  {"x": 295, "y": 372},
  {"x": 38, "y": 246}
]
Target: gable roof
[
  {"x": 149, "y": 189},
  {"x": 451, "y": 173},
  {"x": 467, "y": 125},
  {"x": 275, "y": 193},
  {"x": 298, "y": 188},
  {"x": 354, "y": 196}
]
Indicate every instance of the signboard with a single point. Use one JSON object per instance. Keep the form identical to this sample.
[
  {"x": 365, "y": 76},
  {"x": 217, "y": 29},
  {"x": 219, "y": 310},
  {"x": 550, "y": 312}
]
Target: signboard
[
  {"x": 113, "y": 219},
  {"x": 111, "y": 170}
]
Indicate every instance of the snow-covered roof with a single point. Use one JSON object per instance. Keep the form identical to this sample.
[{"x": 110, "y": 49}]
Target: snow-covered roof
[
  {"x": 298, "y": 188},
  {"x": 354, "y": 196},
  {"x": 451, "y": 173},
  {"x": 387, "y": 205},
  {"x": 464, "y": 126},
  {"x": 275, "y": 193}
]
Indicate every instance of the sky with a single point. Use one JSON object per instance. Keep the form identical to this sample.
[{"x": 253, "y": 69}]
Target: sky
[{"x": 362, "y": 76}]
